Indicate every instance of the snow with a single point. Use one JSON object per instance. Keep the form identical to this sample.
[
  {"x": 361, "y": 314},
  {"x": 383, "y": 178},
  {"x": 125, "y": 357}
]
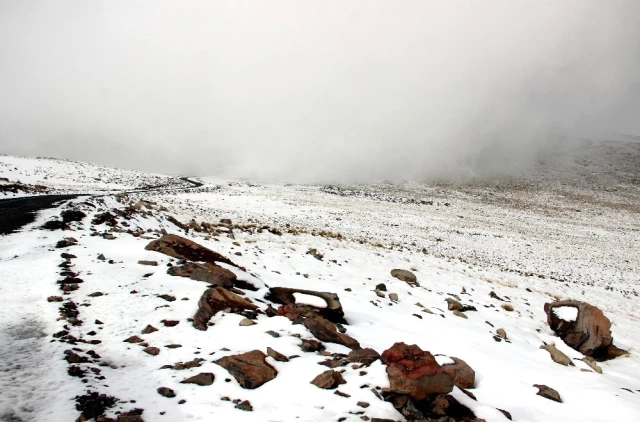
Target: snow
[{"x": 377, "y": 236}]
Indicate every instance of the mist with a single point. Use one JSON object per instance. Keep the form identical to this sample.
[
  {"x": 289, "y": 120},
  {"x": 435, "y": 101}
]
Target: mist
[{"x": 315, "y": 91}]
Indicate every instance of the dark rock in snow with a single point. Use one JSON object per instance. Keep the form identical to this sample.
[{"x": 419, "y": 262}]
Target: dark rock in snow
[
  {"x": 249, "y": 369},
  {"x": 166, "y": 392},
  {"x": 406, "y": 276},
  {"x": 333, "y": 311},
  {"x": 215, "y": 300},
  {"x": 202, "y": 379},
  {"x": 548, "y": 393},
  {"x": 181, "y": 248},
  {"x": 328, "y": 380}
]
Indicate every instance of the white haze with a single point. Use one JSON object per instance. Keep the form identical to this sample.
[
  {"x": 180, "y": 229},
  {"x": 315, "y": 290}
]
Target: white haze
[{"x": 315, "y": 90}]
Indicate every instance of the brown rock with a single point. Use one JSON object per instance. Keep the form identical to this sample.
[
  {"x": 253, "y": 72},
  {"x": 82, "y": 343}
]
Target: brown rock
[
  {"x": 333, "y": 311},
  {"x": 454, "y": 305},
  {"x": 202, "y": 379},
  {"x": 463, "y": 375},
  {"x": 133, "y": 339},
  {"x": 181, "y": 248},
  {"x": 310, "y": 345},
  {"x": 414, "y": 372},
  {"x": 406, "y": 276},
  {"x": 556, "y": 355},
  {"x": 249, "y": 369},
  {"x": 149, "y": 329},
  {"x": 365, "y": 356},
  {"x": 166, "y": 392},
  {"x": 245, "y": 405},
  {"x": 154, "y": 351},
  {"x": 590, "y": 333},
  {"x": 324, "y": 330},
  {"x": 328, "y": 380},
  {"x": 277, "y": 355},
  {"x": 170, "y": 322},
  {"x": 216, "y": 299},
  {"x": 151, "y": 263},
  {"x": 548, "y": 393}
]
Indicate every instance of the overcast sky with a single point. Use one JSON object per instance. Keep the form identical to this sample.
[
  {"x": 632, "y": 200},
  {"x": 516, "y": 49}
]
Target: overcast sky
[{"x": 314, "y": 90}]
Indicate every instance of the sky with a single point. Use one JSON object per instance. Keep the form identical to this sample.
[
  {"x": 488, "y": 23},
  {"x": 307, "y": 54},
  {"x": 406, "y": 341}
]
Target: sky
[{"x": 315, "y": 90}]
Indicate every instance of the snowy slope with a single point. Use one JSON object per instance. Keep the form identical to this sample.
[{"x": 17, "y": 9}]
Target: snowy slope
[{"x": 484, "y": 248}]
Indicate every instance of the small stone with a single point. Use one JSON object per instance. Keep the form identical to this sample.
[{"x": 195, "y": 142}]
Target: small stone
[
  {"x": 341, "y": 394},
  {"x": 166, "y": 392},
  {"x": 393, "y": 296},
  {"x": 149, "y": 329},
  {"x": 133, "y": 339},
  {"x": 592, "y": 364},
  {"x": 54, "y": 299},
  {"x": 556, "y": 355},
  {"x": 151, "y": 263},
  {"x": 502, "y": 333},
  {"x": 173, "y": 346},
  {"x": 202, "y": 379},
  {"x": 273, "y": 333},
  {"x": 170, "y": 323},
  {"x": 382, "y": 287},
  {"x": 454, "y": 305},
  {"x": 245, "y": 405},
  {"x": 168, "y": 298},
  {"x": 154, "y": 351},
  {"x": 246, "y": 322},
  {"x": 460, "y": 314},
  {"x": 276, "y": 355},
  {"x": 363, "y": 404},
  {"x": 328, "y": 380},
  {"x": 548, "y": 392}
]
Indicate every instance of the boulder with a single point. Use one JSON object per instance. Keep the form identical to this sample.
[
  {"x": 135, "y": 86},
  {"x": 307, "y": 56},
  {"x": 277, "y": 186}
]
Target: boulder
[
  {"x": 328, "y": 380},
  {"x": 590, "y": 333},
  {"x": 406, "y": 276},
  {"x": 181, "y": 248},
  {"x": 324, "y": 330},
  {"x": 333, "y": 311},
  {"x": 249, "y": 369},
  {"x": 463, "y": 375},
  {"x": 216, "y": 299},
  {"x": 414, "y": 372}
]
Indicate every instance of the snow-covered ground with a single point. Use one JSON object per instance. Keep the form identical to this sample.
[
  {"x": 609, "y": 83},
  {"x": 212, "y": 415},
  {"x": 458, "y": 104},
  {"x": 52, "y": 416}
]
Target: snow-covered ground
[{"x": 526, "y": 245}]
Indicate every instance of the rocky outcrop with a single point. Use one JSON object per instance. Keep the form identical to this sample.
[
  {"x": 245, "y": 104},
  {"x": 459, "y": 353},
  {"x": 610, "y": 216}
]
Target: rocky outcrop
[
  {"x": 414, "y": 372},
  {"x": 333, "y": 311},
  {"x": 590, "y": 333},
  {"x": 216, "y": 299},
  {"x": 209, "y": 273},
  {"x": 462, "y": 374},
  {"x": 181, "y": 248},
  {"x": 249, "y": 369}
]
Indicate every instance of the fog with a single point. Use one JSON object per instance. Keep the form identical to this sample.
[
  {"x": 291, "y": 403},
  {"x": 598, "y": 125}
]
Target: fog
[{"x": 315, "y": 90}]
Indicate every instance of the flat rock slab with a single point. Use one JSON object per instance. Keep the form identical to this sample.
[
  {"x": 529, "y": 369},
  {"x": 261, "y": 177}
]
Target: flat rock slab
[
  {"x": 250, "y": 369},
  {"x": 203, "y": 379}
]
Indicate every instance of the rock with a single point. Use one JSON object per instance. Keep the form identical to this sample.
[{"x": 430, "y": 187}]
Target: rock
[
  {"x": 277, "y": 355},
  {"x": 149, "y": 329},
  {"x": 333, "y": 311},
  {"x": 168, "y": 298},
  {"x": 181, "y": 248},
  {"x": 249, "y": 369},
  {"x": 154, "y": 351},
  {"x": 393, "y": 296},
  {"x": 170, "y": 322},
  {"x": 202, "y": 379},
  {"x": 54, "y": 299},
  {"x": 590, "y": 333},
  {"x": 463, "y": 375},
  {"x": 328, "y": 380},
  {"x": 166, "y": 392},
  {"x": 324, "y": 330},
  {"x": 133, "y": 339},
  {"x": 273, "y": 333},
  {"x": 151, "y": 263},
  {"x": 592, "y": 364},
  {"x": 363, "y": 404},
  {"x": 215, "y": 300},
  {"x": 382, "y": 287},
  {"x": 379, "y": 293},
  {"x": 556, "y": 355},
  {"x": 460, "y": 314},
  {"x": 454, "y": 305},
  {"x": 548, "y": 392},
  {"x": 414, "y": 372},
  {"x": 246, "y": 322},
  {"x": 314, "y": 253},
  {"x": 502, "y": 333},
  {"x": 245, "y": 405},
  {"x": 310, "y": 345},
  {"x": 365, "y": 356},
  {"x": 406, "y": 276}
]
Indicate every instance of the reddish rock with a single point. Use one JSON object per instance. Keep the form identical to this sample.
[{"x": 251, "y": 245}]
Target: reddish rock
[
  {"x": 154, "y": 351},
  {"x": 249, "y": 369},
  {"x": 324, "y": 330},
  {"x": 463, "y": 375},
  {"x": 277, "y": 355},
  {"x": 215, "y": 300},
  {"x": 590, "y": 333},
  {"x": 181, "y": 248},
  {"x": 133, "y": 339},
  {"x": 328, "y": 380},
  {"x": 149, "y": 329},
  {"x": 414, "y": 372}
]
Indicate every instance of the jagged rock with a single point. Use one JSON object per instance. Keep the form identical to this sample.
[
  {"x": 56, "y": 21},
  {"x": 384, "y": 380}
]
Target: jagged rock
[
  {"x": 324, "y": 330},
  {"x": 151, "y": 263},
  {"x": 365, "y": 356},
  {"x": 154, "y": 351},
  {"x": 134, "y": 339},
  {"x": 310, "y": 345},
  {"x": 414, "y": 372},
  {"x": 249, "y": 369},
  {"x": 556, "y": 355},
  {"x": 244, "y": 405},
  {"x": 333, "y": 311},
  {"x": 202, "y": 379},
  {"x": 166, "y": 392},
  {"x": 406, "y": 276},
  {"x": 215, "y": 300},
  {"x": 181, "y": 248},
  {"x": 149, "y": 329},
  {"x": 590, "y": 333},
  {"x": 463, "y": 375},
  {"x": 277, "y": 355},
  {"x": 328, "y": 380},
  {"x": 548, "y": 393}
]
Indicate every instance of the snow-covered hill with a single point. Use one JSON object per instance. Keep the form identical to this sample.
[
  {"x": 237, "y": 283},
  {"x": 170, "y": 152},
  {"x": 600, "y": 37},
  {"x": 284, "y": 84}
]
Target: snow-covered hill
[{"x": 485, "y": 267}]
